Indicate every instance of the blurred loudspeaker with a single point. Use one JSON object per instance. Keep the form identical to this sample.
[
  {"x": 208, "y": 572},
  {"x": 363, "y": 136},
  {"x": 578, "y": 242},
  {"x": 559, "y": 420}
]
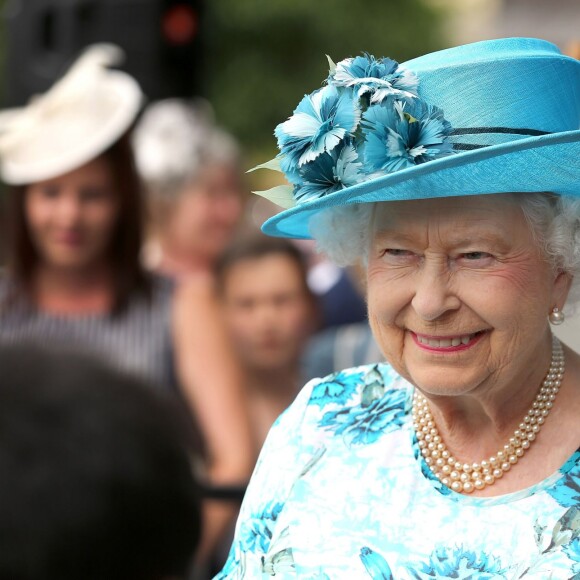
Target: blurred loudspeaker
[{"x": 162, "y": 40}]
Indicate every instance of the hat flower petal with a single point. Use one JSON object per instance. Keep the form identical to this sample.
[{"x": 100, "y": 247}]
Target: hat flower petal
[
  {"x": 380, "y": 77},
  {"x": 330, "y": 172},
  {"x": 402, "y": 134},
  {"x": 319, "y": 123}
]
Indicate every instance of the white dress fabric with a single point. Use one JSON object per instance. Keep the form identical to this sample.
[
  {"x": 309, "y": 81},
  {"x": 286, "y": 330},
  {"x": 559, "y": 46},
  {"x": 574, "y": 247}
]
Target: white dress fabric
[{"x": 341, "y": 491}]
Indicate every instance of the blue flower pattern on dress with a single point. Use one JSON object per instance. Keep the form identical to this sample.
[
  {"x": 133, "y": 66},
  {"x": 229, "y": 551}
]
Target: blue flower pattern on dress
[
  {"x": 360, "y": 425},
  {"x": 573, "y": 550},
  {"x": 375, "y": 564},
  {"x": 377, "y": 413},
  {"x": 337, "y": 388},
  {"x": 567, "y": 494},
  {"x": 459, "y": 563},
  {"x": 319, "y": 510},
  {"x": 259, "y": 533},
  {"x": 426, "y": 470}
]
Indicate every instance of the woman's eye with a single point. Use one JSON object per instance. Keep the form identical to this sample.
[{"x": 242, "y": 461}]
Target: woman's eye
[
  {"x": 476, "y": 255},
  {"x": 93, "y": 194},
  {"x": 476, "y": 258},
  {"x": 50, "y": 192},
  {"x": 397, "y": 253}
]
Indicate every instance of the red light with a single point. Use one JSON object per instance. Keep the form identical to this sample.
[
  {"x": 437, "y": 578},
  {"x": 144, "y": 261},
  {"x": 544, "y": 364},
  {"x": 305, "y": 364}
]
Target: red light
[{"x": 179, "y": 24}]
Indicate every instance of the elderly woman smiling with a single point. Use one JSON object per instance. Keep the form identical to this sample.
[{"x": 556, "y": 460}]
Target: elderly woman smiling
[{"x": 455, "y": 179}]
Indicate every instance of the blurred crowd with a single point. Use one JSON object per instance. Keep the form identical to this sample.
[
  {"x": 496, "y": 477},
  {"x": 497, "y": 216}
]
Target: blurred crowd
[{"x": 149, "y": 333}]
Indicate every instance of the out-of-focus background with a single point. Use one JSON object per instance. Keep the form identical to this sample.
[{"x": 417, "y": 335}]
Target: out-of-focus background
[
  {"x": 253, "y": 60},
  {"x": 224, "y": 73}
]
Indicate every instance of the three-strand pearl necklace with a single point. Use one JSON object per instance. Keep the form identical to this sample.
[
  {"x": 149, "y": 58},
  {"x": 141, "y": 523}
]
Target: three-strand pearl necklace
[{"x": 467, "y": 477}]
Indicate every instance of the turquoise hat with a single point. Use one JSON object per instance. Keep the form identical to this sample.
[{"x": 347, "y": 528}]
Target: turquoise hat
[{"x": 490, "y": 117}]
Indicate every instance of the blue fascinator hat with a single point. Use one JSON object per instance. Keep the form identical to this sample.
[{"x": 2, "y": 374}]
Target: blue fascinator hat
[{"x": 490, "y": 117}]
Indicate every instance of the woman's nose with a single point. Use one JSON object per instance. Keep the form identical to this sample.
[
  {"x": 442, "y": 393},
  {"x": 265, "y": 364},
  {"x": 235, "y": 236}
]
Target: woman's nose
[
  {"x": 230, "y": 207},
  {"x": 69, "y": 209},
  {"x": 434, "y": 295}
]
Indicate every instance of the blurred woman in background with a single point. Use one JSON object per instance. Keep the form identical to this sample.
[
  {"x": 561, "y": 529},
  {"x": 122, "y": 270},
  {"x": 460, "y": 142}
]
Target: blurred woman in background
[
  {"x": 191, "y": 172},
  {"x": 74, "y": 274}
]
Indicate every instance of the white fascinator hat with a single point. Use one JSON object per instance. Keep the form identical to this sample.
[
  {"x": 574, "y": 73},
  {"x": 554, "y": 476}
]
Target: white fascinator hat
[
  {"x": 174, "y": 140},
  {"x": 75, "y": 121}
]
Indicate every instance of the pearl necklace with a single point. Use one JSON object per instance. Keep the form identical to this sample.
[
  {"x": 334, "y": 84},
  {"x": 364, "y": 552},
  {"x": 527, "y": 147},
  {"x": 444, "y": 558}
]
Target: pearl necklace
[{"x": 467, "y": 477}]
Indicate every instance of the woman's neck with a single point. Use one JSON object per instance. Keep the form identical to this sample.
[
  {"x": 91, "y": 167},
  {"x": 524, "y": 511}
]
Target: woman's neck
[
  {"x": 73, "y": 291},
  {"x": 269, "y": 394},
  {"x": 478, "y": 436},
  {"x": 483, "y": 421},
  {"x": 280, "y": 384},
  {"x": 477, "y": 430}
]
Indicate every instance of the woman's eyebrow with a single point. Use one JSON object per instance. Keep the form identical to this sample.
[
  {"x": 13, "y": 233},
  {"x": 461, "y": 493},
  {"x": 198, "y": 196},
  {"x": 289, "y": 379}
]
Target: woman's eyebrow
[
  {"x": 394, "y": 236},
  {"x": 457, "y": 239}
]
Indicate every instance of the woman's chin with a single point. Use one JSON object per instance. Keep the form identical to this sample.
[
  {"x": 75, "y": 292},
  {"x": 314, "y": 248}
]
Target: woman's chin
[{"x": 445, "y": 382}]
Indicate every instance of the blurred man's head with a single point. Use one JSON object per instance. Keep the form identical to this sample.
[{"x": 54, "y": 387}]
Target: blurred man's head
[
  {"x": 269, "y": 308},
  {"x": 95, "y": 474}
]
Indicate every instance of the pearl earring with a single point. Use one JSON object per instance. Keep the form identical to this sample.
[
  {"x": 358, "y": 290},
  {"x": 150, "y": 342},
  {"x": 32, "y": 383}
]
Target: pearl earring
[{"x": 556, "y": 317}]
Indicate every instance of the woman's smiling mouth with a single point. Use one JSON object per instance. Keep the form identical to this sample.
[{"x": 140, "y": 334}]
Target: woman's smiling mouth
[{"x": 449, "y": 343}]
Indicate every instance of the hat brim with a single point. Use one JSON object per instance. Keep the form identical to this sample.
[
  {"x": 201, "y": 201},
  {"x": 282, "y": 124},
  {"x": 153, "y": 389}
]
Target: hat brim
[{"x": 535, "y": 164}]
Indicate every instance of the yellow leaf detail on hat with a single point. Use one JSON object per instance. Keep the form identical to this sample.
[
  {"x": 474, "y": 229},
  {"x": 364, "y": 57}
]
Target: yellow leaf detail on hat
[
  {"x": 280, "y": 195},
  {"x": 273, "y": 164}
]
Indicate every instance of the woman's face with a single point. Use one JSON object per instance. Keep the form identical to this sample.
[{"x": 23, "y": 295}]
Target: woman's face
[
  {"x": 71, "y": 217},
  {"x": 458, "y": 293},
  {"x": 206, "y": 213}
]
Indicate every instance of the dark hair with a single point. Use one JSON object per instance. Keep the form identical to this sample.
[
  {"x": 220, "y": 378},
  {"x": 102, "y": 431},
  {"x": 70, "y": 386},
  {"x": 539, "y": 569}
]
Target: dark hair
[
  {"x": 95, "y": 474},
  {"x": 259, "y": 246},
  {"x": 126, "y": 241}
]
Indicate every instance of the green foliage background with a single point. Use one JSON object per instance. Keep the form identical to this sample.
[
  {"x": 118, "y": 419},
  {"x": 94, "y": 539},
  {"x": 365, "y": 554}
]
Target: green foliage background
[{"x": 264, "y": 55}]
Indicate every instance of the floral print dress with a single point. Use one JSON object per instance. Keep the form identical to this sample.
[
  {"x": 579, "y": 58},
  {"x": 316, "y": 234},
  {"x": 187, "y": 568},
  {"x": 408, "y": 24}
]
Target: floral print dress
[{"x": 341, "y": 492}]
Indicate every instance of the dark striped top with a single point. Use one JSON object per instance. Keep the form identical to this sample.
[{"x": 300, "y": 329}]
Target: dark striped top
[{"x": 137, "y": 340}]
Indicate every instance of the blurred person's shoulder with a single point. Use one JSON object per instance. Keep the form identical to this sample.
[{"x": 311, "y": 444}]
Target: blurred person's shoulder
[
  {"x": 5, "y": 284},
  {"x": 9, "y": 291},
  {"x": 6, "y": 280},
  {"x": 340, "y": 347},
  {"x": 161, "y": 284}
]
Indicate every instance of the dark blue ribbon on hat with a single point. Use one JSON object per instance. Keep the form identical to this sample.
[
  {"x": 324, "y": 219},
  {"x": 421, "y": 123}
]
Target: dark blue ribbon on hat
[{"x": 492, "y": 130}]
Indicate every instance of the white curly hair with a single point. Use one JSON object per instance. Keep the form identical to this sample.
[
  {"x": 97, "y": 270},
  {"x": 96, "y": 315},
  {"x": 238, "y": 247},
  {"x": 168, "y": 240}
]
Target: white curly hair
[{"x": 343, "y": 233}]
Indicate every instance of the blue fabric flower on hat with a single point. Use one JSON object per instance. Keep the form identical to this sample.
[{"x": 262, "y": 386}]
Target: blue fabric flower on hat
[
  {"x": 403, "y": 134},
  {"x": 320, "y": 122},
  {"x": 328, "y": 173},
  {"x": 380, "y": 77},
  {"x": 368, "y": 121}
]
